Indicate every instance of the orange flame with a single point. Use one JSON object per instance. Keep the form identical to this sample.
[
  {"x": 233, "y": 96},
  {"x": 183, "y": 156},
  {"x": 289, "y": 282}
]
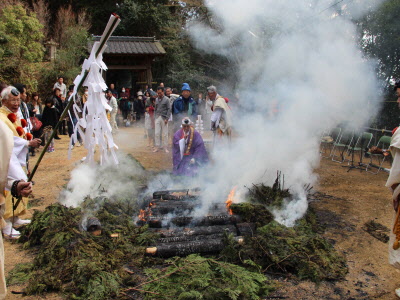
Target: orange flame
[
  {"x": 229, "y": 200},
  {"x": 142, "y": 215}
]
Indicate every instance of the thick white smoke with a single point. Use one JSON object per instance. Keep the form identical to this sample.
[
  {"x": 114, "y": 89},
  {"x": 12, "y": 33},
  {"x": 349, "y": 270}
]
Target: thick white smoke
[
  {"x": 304, "y": 56},
  {"x": 108, "y": 181}
]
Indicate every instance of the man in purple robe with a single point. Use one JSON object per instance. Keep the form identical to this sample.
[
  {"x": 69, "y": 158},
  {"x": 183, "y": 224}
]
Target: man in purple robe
[{"x": 189, "y": 152}]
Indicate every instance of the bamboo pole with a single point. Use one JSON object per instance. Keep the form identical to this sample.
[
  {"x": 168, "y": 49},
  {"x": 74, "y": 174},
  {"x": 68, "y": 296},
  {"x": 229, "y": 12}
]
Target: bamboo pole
[{"x": 106, "y": 35}]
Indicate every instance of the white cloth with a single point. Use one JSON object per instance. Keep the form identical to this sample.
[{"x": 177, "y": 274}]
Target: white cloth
[
  {"x": 224, "y": 119},
  {"x": 394, "y": 178},
  {"x": 182, "y": 145},
  {"x": 18, "y": 161},
  {"x": 216, "y": 116},
  {"x": 394, "y": 175},
  {"x": 6, "y": 149},
  {"x": 208, "y": 105}
]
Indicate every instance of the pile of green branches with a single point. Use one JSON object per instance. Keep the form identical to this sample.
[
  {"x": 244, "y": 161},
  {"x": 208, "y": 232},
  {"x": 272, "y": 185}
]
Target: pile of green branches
[
  {"x": 300, "y": 250},
  {"x": 82, "y": 266},
  {"x": 197, "y": 277},
  {"x": 76, "y": 263}
]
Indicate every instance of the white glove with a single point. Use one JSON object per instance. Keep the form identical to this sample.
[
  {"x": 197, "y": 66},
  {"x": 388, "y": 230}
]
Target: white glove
[{"x": 192, "y": 161}]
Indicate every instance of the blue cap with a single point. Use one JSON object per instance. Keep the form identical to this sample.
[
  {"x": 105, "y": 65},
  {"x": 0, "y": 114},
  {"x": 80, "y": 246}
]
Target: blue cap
[{"x": 185, "y": 87}]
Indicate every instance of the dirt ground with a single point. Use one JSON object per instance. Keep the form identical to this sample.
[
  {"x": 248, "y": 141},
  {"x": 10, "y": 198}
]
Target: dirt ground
[{"x": 347, "y": 200}]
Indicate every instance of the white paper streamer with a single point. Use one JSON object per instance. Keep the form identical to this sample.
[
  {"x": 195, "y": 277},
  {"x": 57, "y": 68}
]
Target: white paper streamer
[{"x": 94, "y": 127}]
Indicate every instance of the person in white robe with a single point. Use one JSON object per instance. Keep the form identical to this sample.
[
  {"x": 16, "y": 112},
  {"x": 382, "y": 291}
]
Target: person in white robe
[
  {"x": 393, "y": 183},
  {"x": 221, "y": 117},
  {"x": 18, "y": 164}
]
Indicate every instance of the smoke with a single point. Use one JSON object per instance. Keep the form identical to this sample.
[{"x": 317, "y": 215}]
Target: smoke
[
  {"x": 103, "y": 182},
  {"x": 301, "y": 57}
]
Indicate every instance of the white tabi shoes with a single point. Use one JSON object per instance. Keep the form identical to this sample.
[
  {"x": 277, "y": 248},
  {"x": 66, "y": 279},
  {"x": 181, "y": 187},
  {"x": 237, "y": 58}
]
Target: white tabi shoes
[
  {"x": 20, "y": 222},
  {"x": 9, "y": 232}
]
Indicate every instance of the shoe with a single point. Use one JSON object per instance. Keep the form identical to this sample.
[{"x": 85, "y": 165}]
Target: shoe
[
  {"x": 78, "y": 144},
  {"x": 155, "y": 150},
  {"x": 9, "y": 232},
  {"x": 57, "y": 138},
  {"x": 33, "y": 154},
  {"x": 166, "y": 150},
  {"x": 72, "y": 147},
  {"x": 19, "y": 222}
]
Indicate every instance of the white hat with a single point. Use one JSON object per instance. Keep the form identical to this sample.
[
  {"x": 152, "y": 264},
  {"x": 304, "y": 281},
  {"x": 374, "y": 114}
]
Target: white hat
[
  {"x": 186, "y": 121},
  {"x": 140, "y": 93}
]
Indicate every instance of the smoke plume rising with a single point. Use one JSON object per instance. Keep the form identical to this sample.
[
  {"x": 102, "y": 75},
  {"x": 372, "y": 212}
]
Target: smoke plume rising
[
  {"x": 303, "y": 57},
  {"x": 108, "y": 181}
]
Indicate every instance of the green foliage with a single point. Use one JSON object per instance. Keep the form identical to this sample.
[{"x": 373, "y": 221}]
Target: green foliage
[
  {"x": 21, "y": 47},
  {"x": 380, "y": 38},
  {"x": 209, "y": 279},
  {"x": 269, "y": 196},
  {"x": 298, "y": 250},
  {"x": 254, "y": 213},
  {"x": 68, "y": 61},
  {"x": 20, "y": 274},
  {"x": 76, "y": 263}
]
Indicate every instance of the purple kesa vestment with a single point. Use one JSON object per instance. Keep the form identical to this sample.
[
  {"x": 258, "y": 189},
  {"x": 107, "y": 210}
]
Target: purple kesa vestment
[{"x": 189, "y": 153}]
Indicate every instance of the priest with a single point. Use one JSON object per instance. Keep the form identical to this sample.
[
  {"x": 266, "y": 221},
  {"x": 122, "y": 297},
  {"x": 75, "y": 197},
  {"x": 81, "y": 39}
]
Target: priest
[
  {"x": 189, "y": 152},
  {"x": 18, "y": 164}
]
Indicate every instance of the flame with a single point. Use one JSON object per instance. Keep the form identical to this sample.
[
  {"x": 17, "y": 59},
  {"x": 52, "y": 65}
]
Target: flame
[
  {"x": 142, "y": 215},
  {"x": 229, "y": 200}
]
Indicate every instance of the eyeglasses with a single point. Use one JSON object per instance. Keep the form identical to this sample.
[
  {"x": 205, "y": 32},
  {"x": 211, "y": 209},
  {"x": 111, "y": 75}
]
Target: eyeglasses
[{"x": 15, "y": 92}]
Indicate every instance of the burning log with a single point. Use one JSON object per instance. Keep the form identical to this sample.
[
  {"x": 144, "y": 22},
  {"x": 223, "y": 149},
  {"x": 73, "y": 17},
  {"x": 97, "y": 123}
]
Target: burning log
[
  {"x": 199, "y": 230},
  {"x": 165, "y": 207},
  {"x": 185, "y": 248}
]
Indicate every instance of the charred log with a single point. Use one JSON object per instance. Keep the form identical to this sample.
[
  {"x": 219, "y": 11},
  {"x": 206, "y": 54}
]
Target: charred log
[
  {"x": 189, "y": 238},
  {"x": 165, "y": 207},
  {"x": 185, "y": 248},
  {"x": 174, "y": 194},
  {"x": 179, "y": 207},
  {"x": 199, "y": 230},
  {"x": 180, "y": 221}
]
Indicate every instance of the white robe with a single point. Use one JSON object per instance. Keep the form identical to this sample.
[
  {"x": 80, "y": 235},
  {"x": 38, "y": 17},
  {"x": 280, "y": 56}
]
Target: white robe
[
  {"x": 6, "y": 151},
  {"x": 394, "y": 178}
]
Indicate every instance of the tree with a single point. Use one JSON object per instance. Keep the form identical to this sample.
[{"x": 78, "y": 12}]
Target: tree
[
  {"x": 20, "y": 48},
  {"x": 72, "y": 36},
  {"x": 380, "y": 40}
]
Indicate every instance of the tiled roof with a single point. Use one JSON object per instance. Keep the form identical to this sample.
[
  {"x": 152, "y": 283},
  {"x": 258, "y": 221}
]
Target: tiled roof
[{"x": 130, "y": 45}]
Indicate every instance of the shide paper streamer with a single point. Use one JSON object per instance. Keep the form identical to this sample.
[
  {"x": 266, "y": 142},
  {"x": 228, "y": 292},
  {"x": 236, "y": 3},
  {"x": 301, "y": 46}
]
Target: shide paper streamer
[{"x": 94, "y": 127}]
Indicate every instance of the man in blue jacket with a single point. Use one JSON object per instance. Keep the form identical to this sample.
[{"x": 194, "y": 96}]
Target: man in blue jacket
[{"x": 184, "y": 106}]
